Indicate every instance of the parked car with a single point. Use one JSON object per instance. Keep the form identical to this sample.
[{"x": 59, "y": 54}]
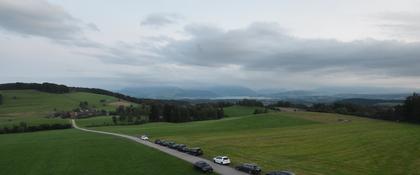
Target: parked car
[
  {"x": 249, "y": 168},
  {"x": 165, "y": 143},
  {"x": 224, "y": 160},
  {"x": 203, "y": 166},
  {"x": 195, "y": 151},
  {"x": 158, "y": 141},
  {"x": 180, "y": 146},
  {"x": 183, "y": 149},
  {"x": 280, "y": 173},
  {"x": 174, "y": 146},
  {"x": 144, "y": 137},
  {"x": 169, "y": 143}
]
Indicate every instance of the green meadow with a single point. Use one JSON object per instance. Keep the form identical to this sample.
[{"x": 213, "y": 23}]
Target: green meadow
[
  {"x": 33, "y": 107},
  {"x": 69, "y": 152},
  {"x": 307, "y": 143},
  {"x": 304, "y": 142}
]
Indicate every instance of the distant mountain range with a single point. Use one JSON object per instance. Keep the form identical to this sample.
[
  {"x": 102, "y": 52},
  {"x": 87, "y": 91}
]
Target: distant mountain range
[{"x": 238, "y": 92}]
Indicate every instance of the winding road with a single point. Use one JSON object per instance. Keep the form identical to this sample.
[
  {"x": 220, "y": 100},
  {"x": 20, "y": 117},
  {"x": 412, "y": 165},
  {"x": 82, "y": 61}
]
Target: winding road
[{"x": 220, "y": 169}]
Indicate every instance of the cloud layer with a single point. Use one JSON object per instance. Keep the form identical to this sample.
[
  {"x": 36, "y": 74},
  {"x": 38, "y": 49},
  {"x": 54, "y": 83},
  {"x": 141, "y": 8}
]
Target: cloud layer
[
  {"x": 169, "y": 49},
  {"x": 43, "y": 19},
  {"x": 265, "y": 47},
  {"x": 160, "y": 19}
]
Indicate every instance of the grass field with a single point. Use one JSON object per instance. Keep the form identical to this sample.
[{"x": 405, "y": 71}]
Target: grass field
[
  {"x": 33, "y": 106},
  {"x": 236, "y": 111},
  {"x": 304, "y": 142},
  {"x": 75, "y": 152}
]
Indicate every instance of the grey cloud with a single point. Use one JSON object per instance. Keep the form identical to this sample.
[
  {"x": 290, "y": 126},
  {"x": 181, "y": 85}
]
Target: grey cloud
[
  {"x": 160, "y": 19},
  {"x": 265, "y": 47},
  {"x": 400, "y": 24},
  {"x": 43, "y": 19},
  {"x": 93, "y": 27}
]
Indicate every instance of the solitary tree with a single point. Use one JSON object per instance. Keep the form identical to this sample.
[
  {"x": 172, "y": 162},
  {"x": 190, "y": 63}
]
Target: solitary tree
[{"x": 114, "y": 120}]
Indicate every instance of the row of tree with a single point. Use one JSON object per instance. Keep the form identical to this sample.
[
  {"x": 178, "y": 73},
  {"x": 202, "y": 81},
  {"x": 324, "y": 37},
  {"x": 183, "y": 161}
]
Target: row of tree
[
  {"x": 24, "y": 127},
  {"x": 44, "y": 87},
  {"x": 130, "y": 115},
  {"x": 184, "y": 113},
  {"x": 409, "y": 111},
  {"x": 250, "y": 102}
]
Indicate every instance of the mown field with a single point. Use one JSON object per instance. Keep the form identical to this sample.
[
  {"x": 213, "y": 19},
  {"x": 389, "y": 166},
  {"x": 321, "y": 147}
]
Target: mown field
[
  {"x": 236, "y": 111},
  {"x": 33, "y": 107},
  {"x": 70, "y": 152},
  {"x": 304, "y": 142}
]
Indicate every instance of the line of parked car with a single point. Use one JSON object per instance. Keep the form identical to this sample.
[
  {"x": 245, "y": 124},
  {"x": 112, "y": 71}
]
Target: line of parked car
[
  {"x": 223, "y": 160},
  {"x": 256, "y": 170},
  {"x": 180, "y": 147}
]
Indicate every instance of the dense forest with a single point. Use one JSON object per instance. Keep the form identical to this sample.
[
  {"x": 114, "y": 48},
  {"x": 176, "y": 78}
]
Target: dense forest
[{"x": 184, "y": 113}]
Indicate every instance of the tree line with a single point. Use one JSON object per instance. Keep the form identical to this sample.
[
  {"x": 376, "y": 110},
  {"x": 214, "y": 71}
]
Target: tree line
[
  {"x": 184, "y": 113},
  {"x": 24, "y": 127},
  {"x": 44, "y": 87},
  {"x": 409, "y": 111},
  {"x": 250, "y": 102},
  {"x": 130, "y": 115}
]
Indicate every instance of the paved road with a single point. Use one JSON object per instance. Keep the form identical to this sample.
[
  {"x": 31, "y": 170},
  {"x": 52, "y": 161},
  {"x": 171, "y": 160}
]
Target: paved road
[{"x": 220, "y": 169}]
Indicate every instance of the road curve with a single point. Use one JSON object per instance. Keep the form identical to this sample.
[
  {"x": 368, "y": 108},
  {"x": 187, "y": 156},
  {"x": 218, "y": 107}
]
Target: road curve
[{"x": 220, "y": 169}]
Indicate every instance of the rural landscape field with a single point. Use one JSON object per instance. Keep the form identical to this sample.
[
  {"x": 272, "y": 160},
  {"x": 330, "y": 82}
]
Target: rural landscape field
[
  {"x": 305, "y": 142},
  {"x": 239, "y": 87}
]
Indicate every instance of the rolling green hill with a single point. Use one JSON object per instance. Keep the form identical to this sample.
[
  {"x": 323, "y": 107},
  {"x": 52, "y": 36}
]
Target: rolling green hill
[
  {"x": 71, "y": 151},
  {"x": 304, "y": 142},
  {"x": 307, "y": 143},
  {"x": 33, "y": 106}
]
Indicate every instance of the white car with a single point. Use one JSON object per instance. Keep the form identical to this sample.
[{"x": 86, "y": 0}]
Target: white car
[
  {"x": 144, "y": 137},
  {"x": 224, "y": 160}
]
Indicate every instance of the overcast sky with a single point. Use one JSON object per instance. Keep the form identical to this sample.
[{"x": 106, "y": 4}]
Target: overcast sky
[{"x": 287, "y": 44}]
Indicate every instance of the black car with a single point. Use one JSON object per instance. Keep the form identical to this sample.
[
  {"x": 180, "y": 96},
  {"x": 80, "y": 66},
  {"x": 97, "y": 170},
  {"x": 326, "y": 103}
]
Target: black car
[
  {"x": 249, "y": 168},
  {"x": 174, "y": 146},
  {"x": 158, "y": 141},
  {"x": 203, "y": 166},
  {"x": 169, "y": 144},
  {"x": 280, "y": 173},
  {"x": 183, "y": 149},
  {"x": 195, "y": 151},
  {"x": 180, "y": 146}
]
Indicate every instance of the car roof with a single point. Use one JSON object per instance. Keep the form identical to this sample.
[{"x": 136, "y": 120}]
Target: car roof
[
  {"x": 250, "y": 164},
  {"x": 282, "y": 173}
]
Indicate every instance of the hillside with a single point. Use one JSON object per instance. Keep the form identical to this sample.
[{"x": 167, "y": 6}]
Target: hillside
[
  {"x": 307, "y": 143},
  {"x": 32, "y": 106}
]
